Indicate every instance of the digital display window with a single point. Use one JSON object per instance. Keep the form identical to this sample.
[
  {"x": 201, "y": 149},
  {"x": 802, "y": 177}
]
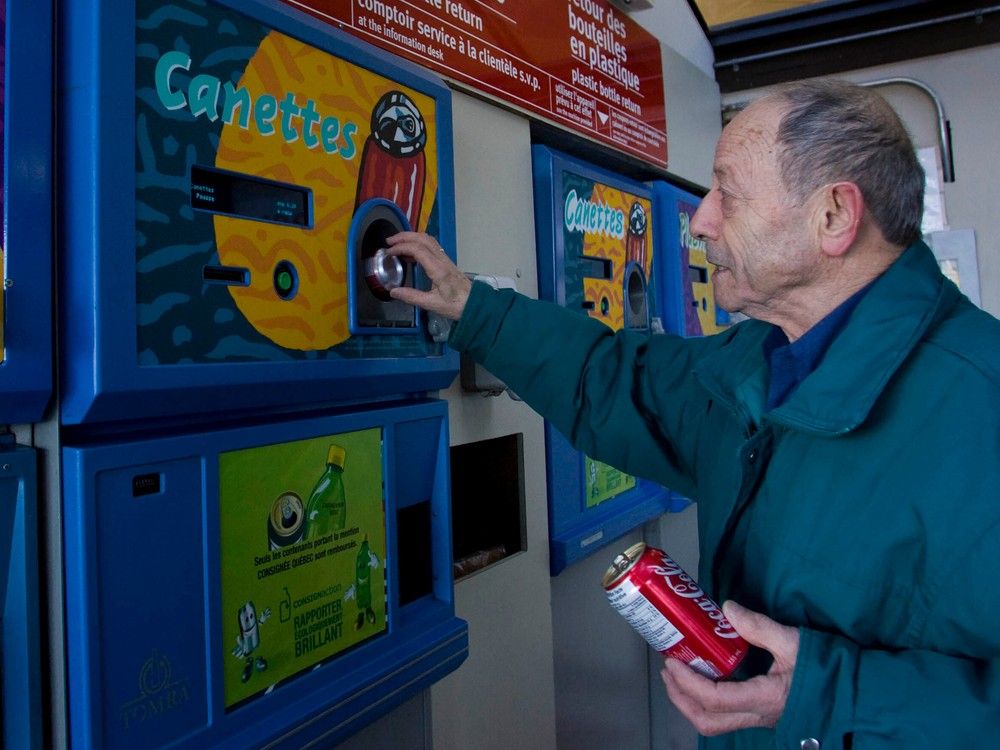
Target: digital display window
[{"x": 250, "y": 197}]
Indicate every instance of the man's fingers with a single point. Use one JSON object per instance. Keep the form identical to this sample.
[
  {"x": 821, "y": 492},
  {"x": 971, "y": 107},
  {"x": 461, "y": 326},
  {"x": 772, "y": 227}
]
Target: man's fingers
[
  {"x": 708, "y": 719},
  {"x": 760, "y": 630},
  {"x": 411, "y": 296},
  {"x": 449, "y": 286},
  {"x": 420, "y": 247},
  {"x": 713, "y": 696}
]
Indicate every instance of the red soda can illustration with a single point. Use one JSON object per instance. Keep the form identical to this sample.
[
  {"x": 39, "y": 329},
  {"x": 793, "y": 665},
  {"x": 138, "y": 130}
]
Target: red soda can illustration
[
  {"x": 635, "y": 237},
  {"x": 393, "y": 163},
  {"x": 670, "y": 610}
]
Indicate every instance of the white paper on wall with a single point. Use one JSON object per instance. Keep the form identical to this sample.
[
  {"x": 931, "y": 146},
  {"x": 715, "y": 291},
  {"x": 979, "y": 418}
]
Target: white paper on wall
[
  {"x": 955, "y": 251},
  {"x": 934, "y": 215}
]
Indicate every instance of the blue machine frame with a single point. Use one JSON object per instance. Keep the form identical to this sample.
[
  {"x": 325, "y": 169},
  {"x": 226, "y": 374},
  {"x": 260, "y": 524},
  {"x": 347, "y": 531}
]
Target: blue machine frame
[
  {"x": 26, "y": 370},
  {"x": 143, "y": 576},
  {"x": 673, "y": 208},
  {"x": 20, "y": 626},
  {"x": 575, "y": 530},
  {"x": 102, "y": 378}
]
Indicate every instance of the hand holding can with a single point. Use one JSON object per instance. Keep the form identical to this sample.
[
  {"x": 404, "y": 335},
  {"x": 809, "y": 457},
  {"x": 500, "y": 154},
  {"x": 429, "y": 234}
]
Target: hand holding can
[{"x": 668, "y": 608}]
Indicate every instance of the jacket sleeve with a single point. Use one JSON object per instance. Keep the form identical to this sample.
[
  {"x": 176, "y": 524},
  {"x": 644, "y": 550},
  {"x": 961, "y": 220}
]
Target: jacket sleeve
[
  {"x": 945, "y": 698},
  {"x": 596, "y": 386}
]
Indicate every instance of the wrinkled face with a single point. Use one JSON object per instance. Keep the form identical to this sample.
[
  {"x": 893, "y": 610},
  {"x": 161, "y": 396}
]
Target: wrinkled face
[{"x": 755, "y": 234}]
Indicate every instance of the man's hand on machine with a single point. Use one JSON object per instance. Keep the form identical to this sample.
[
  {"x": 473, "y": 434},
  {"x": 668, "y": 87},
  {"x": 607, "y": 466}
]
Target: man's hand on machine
[{"x": 449, "y": 286}]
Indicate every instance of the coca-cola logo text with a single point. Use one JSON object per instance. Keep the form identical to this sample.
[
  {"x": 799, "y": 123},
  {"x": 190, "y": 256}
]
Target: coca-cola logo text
[{"x": 685, "y": 587}]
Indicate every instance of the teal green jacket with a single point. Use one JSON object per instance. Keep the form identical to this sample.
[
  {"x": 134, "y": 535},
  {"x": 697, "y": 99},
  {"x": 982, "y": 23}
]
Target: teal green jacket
[{"x": 865, "y": 510}]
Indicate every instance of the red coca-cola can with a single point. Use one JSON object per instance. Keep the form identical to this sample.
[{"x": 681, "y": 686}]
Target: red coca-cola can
[
  {"x": 383, "y": 273},
  {"x": 668, "y": 608}
]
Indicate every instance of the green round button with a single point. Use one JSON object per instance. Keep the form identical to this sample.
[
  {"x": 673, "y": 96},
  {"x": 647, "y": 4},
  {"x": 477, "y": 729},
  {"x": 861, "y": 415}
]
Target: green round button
[{"x": 285, "y": 281}]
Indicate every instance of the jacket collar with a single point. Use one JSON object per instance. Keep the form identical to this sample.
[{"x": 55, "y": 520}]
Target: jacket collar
[{"x": 902, "y": 305}]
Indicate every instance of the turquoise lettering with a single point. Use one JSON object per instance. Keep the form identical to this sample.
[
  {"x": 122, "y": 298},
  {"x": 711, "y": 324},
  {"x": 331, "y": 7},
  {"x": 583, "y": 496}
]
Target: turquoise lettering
[
  {"x": 233, "y": 99},
  {"x": 289, "y": 111},
  {"x": 329, "y": 130},
  {"x": 349, "y": 149},
  {"x": 203, "y": 94},
  {"x": 165, "y": 67},
  {"x": 209, "y": 96},
  {"x": 264, "y": 113},
  {"x": 309, "y": 118}
]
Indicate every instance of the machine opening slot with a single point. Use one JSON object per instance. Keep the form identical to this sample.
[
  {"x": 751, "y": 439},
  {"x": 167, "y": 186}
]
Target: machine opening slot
[
  {"x": 637, "y": 316},
  {"x": 698, "y": 274},
  {"x": 375, "y": 309},
  {"x": 375, "y": 238},
  {"x": 249, "y": 197},
  {"x": 413, "y": 524},
  {"x": 487, "y": 503},
  {"x": 147, "y": 484},
  {"x": 229, "y": 275},
  {"x": 596, "y": 268}
]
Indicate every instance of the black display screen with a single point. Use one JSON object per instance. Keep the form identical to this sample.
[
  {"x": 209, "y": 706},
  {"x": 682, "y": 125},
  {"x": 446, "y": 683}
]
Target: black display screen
[{"x": 250, "y": 197}]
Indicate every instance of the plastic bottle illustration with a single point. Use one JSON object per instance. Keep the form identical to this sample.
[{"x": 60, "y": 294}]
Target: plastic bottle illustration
[
  {"x": 326, "y": 509},
  {"x": 363, "y": 585}
]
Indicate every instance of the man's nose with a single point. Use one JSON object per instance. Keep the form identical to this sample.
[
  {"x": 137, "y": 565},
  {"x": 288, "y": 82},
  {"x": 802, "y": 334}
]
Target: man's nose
[{"x": 704, "y": 223}]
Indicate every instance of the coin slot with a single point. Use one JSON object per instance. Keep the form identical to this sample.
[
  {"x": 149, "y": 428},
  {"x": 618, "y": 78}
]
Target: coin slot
[{"x": 228, "y": 275}]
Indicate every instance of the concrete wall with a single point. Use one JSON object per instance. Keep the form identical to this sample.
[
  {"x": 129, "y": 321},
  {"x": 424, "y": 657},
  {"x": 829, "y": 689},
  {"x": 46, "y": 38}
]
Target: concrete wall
[{"x": 503, "y": 696}]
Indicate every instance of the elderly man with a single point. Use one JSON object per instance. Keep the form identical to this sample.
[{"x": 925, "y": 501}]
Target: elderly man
[{"x": 842, "y": 444}]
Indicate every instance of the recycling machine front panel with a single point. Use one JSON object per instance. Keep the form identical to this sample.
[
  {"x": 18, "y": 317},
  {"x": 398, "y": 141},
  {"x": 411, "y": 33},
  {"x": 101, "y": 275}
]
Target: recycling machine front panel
[
  {"x": 596, "y": 238},
  {"x": 273, "y": 585},
  {"x": 26, "y": 210},
  {"x": 236, "y": 169}
]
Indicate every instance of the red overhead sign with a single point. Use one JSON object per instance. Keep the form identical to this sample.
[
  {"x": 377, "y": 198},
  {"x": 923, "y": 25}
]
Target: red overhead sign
[{"x": 582, "y": 64}]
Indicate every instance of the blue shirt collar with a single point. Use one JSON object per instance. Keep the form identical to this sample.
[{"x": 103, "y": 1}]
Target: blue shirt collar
[{"x": 791, "y": 363}]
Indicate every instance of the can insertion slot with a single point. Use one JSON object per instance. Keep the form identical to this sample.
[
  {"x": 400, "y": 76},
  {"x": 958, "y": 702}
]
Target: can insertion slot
[{"x": 228, "y": 275}]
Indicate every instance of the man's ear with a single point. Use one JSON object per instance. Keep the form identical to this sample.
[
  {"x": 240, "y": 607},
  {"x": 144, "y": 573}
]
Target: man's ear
[{"x": 840, "y": 208}]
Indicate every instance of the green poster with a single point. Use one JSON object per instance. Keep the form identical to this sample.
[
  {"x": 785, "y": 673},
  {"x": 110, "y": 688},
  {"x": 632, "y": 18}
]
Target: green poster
[
  {"x": 303, "y": 545},
  {"x": 604, "y": 482}
]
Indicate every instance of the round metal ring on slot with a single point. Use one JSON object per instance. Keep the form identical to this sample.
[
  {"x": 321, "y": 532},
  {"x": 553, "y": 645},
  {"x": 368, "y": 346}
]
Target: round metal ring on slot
[{"x": 383, "y": 273}]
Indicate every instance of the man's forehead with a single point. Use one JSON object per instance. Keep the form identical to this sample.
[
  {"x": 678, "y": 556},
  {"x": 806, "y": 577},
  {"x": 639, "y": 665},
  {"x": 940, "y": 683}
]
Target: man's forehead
[{"x": 749, "y": 139}]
